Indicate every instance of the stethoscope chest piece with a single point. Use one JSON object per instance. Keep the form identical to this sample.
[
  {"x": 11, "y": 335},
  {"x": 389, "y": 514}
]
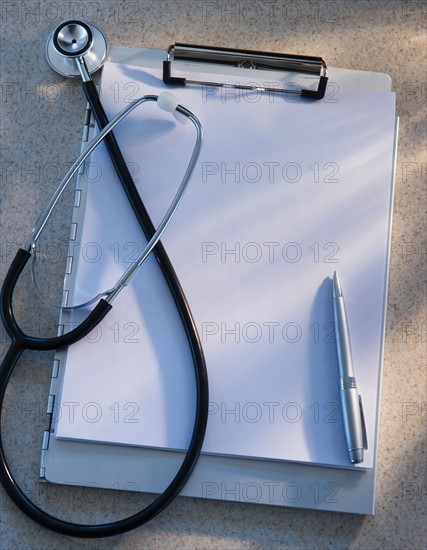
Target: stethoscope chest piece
[{"x": 73, "y": 39}]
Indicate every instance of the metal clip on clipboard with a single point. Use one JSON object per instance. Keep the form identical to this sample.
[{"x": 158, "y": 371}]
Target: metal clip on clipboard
[{"x": 250, "y": 60}]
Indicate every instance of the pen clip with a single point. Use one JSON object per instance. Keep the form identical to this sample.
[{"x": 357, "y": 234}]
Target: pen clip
[{"x": 362, "y": 418}]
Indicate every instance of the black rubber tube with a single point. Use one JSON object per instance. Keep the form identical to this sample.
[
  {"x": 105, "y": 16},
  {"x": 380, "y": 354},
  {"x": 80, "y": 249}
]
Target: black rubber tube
[
  {"x": 20, "y": 342},
  {"x": 19, "y": 338},
  {"x": 147, "y": 226}
]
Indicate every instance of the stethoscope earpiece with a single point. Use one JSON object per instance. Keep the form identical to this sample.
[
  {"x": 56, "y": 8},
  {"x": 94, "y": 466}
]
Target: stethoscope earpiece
[
  {"x": 73, "y": 39},
  {"x": 169, "y": 103}
]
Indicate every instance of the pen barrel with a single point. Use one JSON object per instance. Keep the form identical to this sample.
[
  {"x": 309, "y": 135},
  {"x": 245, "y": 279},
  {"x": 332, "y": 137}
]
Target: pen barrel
[
  {"x": 352, "y": 419},
  {"x": 345, "y": 359}
]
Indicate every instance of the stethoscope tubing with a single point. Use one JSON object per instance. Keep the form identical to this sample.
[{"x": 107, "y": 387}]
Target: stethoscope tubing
[
  {"x": 121, "y": 526},
  {"x": 21, "y": 341}
]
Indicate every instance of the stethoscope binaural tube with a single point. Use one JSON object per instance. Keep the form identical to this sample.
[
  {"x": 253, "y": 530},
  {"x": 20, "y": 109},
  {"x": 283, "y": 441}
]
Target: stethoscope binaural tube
[{"x": 21, "y": 342}]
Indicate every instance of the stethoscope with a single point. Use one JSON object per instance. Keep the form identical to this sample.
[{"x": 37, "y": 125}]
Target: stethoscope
[{"x": 78, "y": 48}]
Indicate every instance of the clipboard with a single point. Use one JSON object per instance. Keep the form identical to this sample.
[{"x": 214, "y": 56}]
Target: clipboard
[{"x": 269, "y": 482}]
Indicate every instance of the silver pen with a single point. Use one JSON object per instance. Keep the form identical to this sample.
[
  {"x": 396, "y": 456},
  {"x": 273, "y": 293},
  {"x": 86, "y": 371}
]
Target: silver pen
[{"x": 351, "y": 402}]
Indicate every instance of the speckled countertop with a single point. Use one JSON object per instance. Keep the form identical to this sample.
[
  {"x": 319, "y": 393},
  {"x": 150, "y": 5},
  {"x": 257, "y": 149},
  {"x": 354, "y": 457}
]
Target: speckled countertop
[{"x": 41, "y": 117}]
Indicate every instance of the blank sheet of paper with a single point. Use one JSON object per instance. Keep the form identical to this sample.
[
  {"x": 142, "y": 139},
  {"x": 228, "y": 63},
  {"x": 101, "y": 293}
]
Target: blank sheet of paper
[{"x": 284, "y": 193}]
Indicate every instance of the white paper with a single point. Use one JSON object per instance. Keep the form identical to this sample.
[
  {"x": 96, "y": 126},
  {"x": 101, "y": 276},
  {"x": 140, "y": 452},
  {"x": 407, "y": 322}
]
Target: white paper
[{"x": 284, "y": 193}]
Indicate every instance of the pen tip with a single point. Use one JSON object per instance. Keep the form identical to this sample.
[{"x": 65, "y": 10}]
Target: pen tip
[{"x": 336, "y": 286}]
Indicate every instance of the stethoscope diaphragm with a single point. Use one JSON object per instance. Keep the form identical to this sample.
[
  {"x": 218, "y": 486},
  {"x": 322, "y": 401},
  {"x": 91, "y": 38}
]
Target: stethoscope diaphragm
[{"x": 73, "y": 39}]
